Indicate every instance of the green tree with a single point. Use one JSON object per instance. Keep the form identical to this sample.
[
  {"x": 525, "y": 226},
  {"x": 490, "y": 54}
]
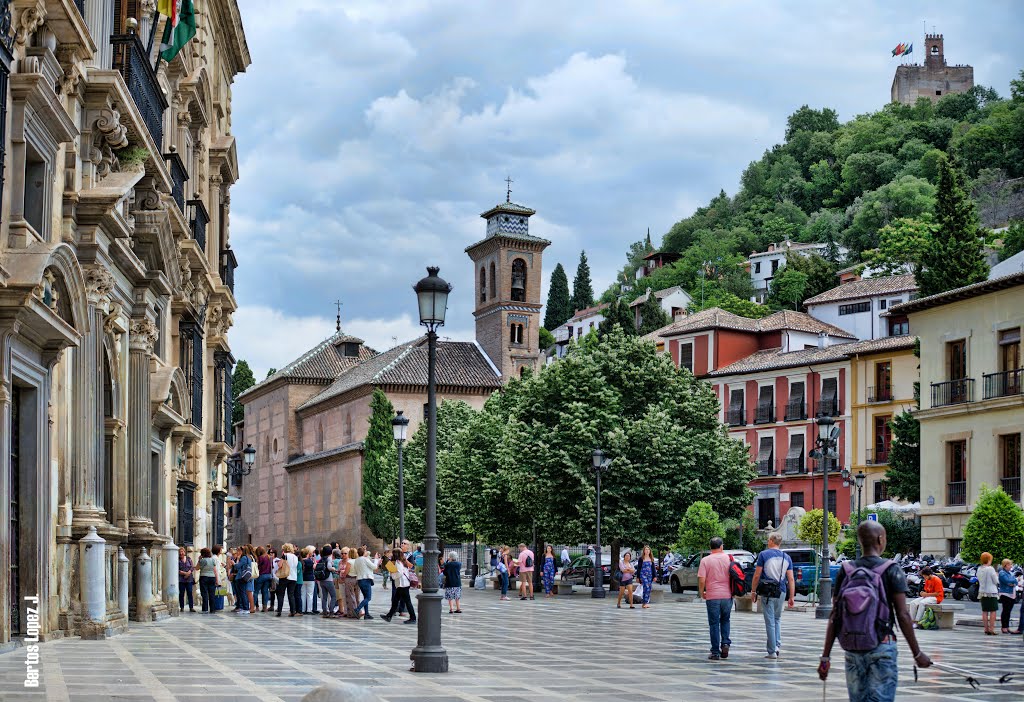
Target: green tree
[
  {"x": 271, "y": 372},
  {"x": 820, "y": 272},
  {"x": 699, "y": 525},
  {"x": 652, "y": 316},
  {"x": 750, "y": 539},
  {"x": 547, "y": 339},
  {"x": 809, "y": 528},
  {"x": 1013, "y": 240},
  {"x": 787, "y": 289},
  {"x": 380, "y": 470},
  {"x": 902, "y": 535},
  {"x": 559, "y": 307},
  {"x": 904, "y": 472},
  {"x": 657, "y": 423},
  {"x": 907, "y": 197},
  {"x": 811, "y": 120},
  {"x": 582, "y": 289},
  {"x": 901, "y": 245},
  {"x": 714, "y": 296},
  {"x": 619, "y": 314},
  {"x": 955, "y": 257},
  {"x": 997, "y": 526},
  {"x": 241, "y": 380}
]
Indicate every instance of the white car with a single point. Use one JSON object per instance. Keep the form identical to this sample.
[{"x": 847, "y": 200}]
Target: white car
[{"x": 685, "y": 576}]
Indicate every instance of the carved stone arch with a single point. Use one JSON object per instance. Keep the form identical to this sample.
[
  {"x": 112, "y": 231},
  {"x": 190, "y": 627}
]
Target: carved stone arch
[{"x": 178, "y": 398}]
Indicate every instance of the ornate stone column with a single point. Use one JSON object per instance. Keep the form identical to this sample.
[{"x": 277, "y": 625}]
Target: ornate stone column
[
  {"x": 86, "y": 472},
  {"x": 142, "y": 336},
  {"x": 122, "y": 581}
]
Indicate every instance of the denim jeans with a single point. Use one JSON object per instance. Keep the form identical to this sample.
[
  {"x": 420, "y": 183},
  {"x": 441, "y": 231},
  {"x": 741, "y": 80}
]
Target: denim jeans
[
  {"x": 719, "y": 612},
  {"x": 208, "y": 589},
  {"x": 263, "y": 588},
  {"x": 185, "y": 590},
  {"x": 771, "y": 608},
  {"x": 504, "y": 583},
  {"x": 329, "y": 596},
  {"x": 243, "y": 588},
  {"x": 366, "y": 588},
  {"x": 871, "y": 676}
]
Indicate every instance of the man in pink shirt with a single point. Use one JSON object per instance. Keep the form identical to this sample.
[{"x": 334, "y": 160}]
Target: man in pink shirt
[
  {"x": 526, "y": 566},
  {"x": 715, "y": 589}
]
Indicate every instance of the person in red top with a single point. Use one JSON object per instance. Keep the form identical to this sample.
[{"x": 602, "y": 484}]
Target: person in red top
[
  {"x": 714, "y": 588},
  {"x": 931, "y": 593}
]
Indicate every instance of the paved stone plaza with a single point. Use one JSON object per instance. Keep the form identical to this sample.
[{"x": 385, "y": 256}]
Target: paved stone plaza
[{"x": 541, "y": 651}]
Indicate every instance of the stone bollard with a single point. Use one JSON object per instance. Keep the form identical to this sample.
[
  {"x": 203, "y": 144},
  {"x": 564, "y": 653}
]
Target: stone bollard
[
  {"x": 122, "y": 581},
  {"x": 143, "y": 586},
  {"x": 91, "y": 552},
  {"x": 171, "y": 577}
]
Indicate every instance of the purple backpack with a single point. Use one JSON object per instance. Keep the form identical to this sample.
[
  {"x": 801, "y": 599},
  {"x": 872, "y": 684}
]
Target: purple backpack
[{"x": 862, "y": 616}]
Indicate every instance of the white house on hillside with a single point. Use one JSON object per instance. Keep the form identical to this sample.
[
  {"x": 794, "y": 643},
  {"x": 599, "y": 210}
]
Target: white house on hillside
[
  {"x": 861, "y": 306},
  {"x": 765, "y": 264},
  {"x": 673, "y": 300},
  {"x": 579, "y": 325}
]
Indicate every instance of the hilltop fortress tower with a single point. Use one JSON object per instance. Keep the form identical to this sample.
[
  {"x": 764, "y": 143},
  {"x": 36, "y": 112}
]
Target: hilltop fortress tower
[{"x": 932, "y": 80}]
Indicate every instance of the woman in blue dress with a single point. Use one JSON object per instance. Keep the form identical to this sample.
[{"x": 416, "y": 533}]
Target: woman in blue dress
[
  {"x": 645, "y": 569},
  {"x": 548, "y": 572}
]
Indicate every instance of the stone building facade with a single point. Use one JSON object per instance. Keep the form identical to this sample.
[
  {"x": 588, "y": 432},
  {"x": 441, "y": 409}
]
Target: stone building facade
[
  {"x": 933, "y": 79},
  {"x": 116, "y": 296}
]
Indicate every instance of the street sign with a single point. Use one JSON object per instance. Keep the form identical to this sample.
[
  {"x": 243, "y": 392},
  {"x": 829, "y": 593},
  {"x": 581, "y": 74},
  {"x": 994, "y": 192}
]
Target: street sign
[{"x": 873, "y": 516}]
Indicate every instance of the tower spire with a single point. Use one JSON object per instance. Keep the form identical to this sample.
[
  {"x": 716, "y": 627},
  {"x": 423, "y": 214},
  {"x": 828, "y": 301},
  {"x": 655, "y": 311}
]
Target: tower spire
[
  {"x": 508, "y": 191},
  {"x": 337, "y": 323}
]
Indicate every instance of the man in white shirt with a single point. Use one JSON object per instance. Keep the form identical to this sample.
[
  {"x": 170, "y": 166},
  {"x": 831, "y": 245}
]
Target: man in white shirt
[{"x": 289, "y": 583}]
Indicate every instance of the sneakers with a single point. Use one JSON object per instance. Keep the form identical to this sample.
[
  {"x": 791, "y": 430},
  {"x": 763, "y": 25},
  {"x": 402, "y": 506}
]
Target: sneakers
[
  {"x": 714, "y": 657},
  {"x": 772, "y": 657},
  {"x": 409, "y": 621},
  {"x": 385, "y": 617},
  {"x": 725, "y": 650},
  {"x": 504, "y": 599},
  {"x": 243, "y": 611}
]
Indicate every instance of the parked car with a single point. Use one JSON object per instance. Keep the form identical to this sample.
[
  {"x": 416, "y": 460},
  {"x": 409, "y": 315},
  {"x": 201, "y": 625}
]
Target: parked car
[
  {"x": 685, "y": 576},
  {"x": 581, "y": 571},
  {"x": 805, "y": 569}
]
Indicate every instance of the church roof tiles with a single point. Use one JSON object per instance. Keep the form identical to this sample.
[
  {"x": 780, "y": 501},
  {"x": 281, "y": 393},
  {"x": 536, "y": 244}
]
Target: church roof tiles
[{"x": 322, "y": 363}]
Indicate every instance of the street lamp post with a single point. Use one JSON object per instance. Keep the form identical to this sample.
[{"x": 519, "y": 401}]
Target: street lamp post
[
  {"x": 429, "y": 655},
  {"x": 400, "y": 426},
  {"x": 241, "y": 463},
  {"x": 859, "y": 480},
  {"x": 825, "y": 453},
  {"x": 600, "y": 464}
]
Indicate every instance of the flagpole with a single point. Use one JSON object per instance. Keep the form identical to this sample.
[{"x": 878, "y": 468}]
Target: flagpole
[{"x": 152, "y": 34}]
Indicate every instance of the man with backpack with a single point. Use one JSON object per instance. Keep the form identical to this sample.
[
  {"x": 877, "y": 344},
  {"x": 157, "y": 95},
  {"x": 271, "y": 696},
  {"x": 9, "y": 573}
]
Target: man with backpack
[
  {"x": 774, "y": 584},
  {"x": 526, "y": 566},
  {"x": 714, "y": 586},
  {"x": 870, "y": 597}
]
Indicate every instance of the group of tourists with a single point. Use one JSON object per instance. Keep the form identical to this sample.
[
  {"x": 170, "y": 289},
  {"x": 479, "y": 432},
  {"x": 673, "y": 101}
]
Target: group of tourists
[{"x": 331, "y": 580}]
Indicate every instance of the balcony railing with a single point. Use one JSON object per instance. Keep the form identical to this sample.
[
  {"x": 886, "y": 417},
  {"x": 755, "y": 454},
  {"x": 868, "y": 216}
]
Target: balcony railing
[
  {"x": 953, "y": 392},
  {"x": 130, "y": 59},
  {"x": 766, "y": 467},
  {"x": 876, "y": 457},
  {"x": 829, "y": 408},
  {"x": 796, "y": 410},
  {"x": 956, "y": 493},
  {"x": 794, "y": 466},
  {"x": 765, "y": 414},
  {"x": 736, "y": 417},
  {"x": 1011, "y": 486},
  {"x": 80, "y": 4},
  {"x": 200, "y": 218},
  {"x": 228, "y": 264},
  {"x": 1004, "y": 384},
  {"x": 178, "y": 177},
  {"x": 880, "y": 393}
]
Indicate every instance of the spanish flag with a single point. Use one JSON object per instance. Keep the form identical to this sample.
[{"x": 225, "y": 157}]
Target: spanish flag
[{"x": 180, "y": 26}]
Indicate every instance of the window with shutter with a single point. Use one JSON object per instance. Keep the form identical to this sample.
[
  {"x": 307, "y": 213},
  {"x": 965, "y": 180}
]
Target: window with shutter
[
  {"x": 766, "y": 448},
  {"x": 186, "y": 513},
  {"x": 795, "y": 456},
  {"x": 795, "y": 409},
  {"x": 829, "y": 404},
  {"x": 765, "y": 405},
  {"x": 736, "y": 416}
]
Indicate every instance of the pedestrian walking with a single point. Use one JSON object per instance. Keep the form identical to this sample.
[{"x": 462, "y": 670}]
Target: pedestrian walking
[
  {"x": 525, "y": 563},
  {"x": 1007, "y": 593},
  {"x": 932, "y": 593},
  {"x": 774, "y": 583},
  {"x": 988, "y": 593},
  {"x": 208, "y": 581},
  {"x": 224, "y": 585},
  {"x": 362, "y": 570},
  {"x": 503, "y": 566},
  {"x": 274, "y": 560},
  {"x": 350, "y": 585},
  {"x": 548, "y": 570},
  {"x": 645, "y": 572},
  {"x": 287, "y": 577},
  {"x": 308, "y": 581},
  {"x": 402, "y": 583},
  {"x": 714, "y": 587},
  {"x": 263, "y": 580},
  {"x": 452, "y": 572},
  {"x": 627, "y": 571},
  {"x": 243, "y": 581},
  {"x": 186, "y": 581},
  {"x": 565, "y": 557},
  {"x": 870, "y": 597},
  {"x": 324, "y": 574}
]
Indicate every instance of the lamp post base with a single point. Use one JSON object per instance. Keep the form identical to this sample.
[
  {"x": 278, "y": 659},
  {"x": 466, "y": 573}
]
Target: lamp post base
[
  {"x": 429, "y": 656},
  {"x": 823, "y": 611},
  {"x": 598, "y": 593}
]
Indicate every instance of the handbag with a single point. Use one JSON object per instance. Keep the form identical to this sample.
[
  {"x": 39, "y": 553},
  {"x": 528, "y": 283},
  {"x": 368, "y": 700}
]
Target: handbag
[
  {"x": 414, "y": 580},
  {"x": 283, "y": 569}
]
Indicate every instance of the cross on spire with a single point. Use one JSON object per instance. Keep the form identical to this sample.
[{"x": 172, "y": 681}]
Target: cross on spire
[
  {"x": 508, "y": 191},
  {"x": 337, "y": 323}
]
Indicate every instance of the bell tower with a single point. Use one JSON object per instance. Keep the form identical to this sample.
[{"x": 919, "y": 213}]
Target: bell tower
[{"x": 507, "y": 274}]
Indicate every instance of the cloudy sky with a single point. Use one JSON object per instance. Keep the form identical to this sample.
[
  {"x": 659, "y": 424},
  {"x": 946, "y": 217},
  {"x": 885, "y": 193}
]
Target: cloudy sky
[{"x": 372, "y": 134}]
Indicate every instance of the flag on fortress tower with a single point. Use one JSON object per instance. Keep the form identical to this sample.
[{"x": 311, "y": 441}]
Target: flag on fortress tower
[
  {"x": 909, "y": 50},
  {"x": 900, "y": 49}
]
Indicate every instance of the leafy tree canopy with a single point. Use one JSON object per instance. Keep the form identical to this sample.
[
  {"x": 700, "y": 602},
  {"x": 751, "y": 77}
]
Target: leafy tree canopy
[
  {"x": 241, "y": 380},
  {"x": 699, "y": 525},
  {"x": 1013, "y": 240},
  {"x": 809, "y": 528},
  {"x": 904, "y": 472},
  {"x": 997, "y": 526}
]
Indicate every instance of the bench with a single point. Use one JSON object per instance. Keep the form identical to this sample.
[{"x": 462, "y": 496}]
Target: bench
[
  {"x": 744, "y": 604},
  {"x": 563, "y": 588},
  {"x": 944, "y": 613},
  {"x": 657, "y": 596}
]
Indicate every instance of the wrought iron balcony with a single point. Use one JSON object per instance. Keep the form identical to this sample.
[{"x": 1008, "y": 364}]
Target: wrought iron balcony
[
  {"x": 1011, "y": 486},
  {"x": 796, "y": 410},
  {"x": 200, "y": 218},
  {"x": 880, "y": 393},
  {"x": 228, "y": 264},
  {"x": 876, "y": 456},
  {"x": 765, "y": 414},
  {"x": 794, "y": 466},
  {"x": 1004, "y": 384},
  {"x": 956, "y": 493},
  {"x": 953, "y": 392},
  {"x": 829, "y": 408},
  {"x": 178, "y": 177},
  {"x": 130, "y": 60},
  {"x": 766, "y": 467},
  {"x": 80, "y": 4},
  {"x": 735, "y": 417}
]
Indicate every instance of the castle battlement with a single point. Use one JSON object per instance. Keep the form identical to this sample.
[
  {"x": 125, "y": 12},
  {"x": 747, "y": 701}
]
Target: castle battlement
[{"x": 933, "y": 79}]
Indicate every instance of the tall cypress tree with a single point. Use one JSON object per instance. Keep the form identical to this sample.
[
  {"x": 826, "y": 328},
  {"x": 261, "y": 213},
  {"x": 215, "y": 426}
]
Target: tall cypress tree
[
  {"x": 582, "y": 289},
  {"x": 559, "y": 307},
  {"x": 652, "y": 316},
  {"x": 954, "y": 258},
  {"x": 241, "y": 380},
  {"x": 380, "y": 470}
]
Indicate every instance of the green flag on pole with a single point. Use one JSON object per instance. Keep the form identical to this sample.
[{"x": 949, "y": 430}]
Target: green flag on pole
[{"x": 180, "y": 27}]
